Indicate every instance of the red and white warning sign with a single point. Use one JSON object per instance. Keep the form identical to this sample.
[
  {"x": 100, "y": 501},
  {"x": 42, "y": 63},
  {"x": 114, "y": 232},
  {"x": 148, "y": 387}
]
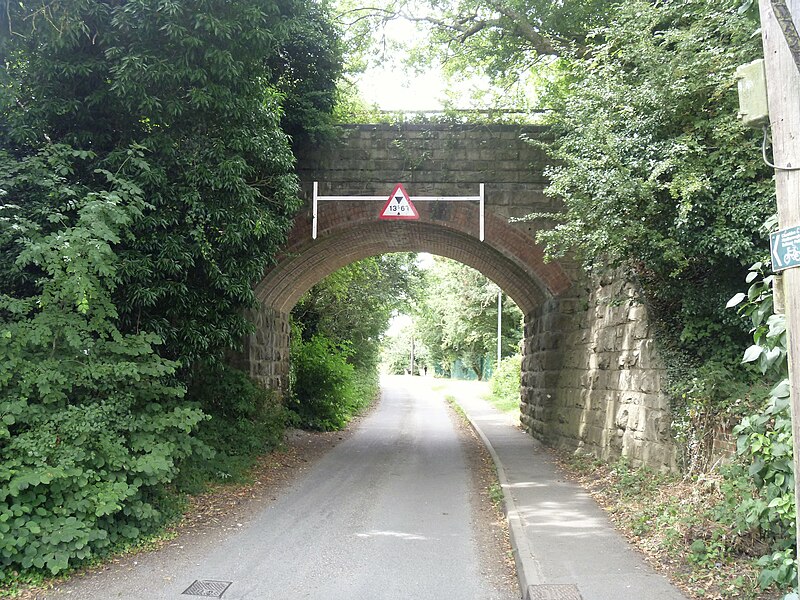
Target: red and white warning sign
[{"x": 399, "y": 205}]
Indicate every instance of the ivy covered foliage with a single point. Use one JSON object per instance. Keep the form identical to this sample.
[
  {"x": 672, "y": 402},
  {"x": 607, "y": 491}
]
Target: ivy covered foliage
[
  {"x": 654, "y": 169},
  {"x": 146, "y": 181},
  {"x": 657, "y": 175}
]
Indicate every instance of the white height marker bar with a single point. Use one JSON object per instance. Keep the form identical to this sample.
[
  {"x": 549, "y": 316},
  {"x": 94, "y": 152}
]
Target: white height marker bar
[
  {"x": 314, "y": 212},
  {"x": 480, "y": 198},
  {"x": 480, "y": 237},
  {"x": 413, "y": 198}
]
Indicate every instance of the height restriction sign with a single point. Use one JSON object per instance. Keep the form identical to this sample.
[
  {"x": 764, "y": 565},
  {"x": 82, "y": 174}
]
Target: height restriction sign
[{"x": 399, "y": 205}]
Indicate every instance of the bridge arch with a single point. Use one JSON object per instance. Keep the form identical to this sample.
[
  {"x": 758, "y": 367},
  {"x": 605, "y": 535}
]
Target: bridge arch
[
  {"x": 591, "y": 377},
  {"x": 431, "y": 159},
  {"x": 350, "y": 231}
]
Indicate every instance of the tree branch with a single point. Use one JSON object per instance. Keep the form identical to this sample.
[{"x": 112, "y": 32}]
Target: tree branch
[
  {"x": 522, "y": 27},
  {"x": 370, "y": 11}
]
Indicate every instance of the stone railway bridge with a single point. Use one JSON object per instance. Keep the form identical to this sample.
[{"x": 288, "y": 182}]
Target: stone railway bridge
[{"x": 591, "y": 379}]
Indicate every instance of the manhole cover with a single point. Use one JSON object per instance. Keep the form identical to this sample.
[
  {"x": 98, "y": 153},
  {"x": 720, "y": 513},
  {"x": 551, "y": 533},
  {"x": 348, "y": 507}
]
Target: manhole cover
[
  {"x": 208, "y": 588},
  {"x": 554, "y": 592}
]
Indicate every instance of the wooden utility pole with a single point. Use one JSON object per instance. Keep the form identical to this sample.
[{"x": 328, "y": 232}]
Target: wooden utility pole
[{"x": 779, "y": 20}]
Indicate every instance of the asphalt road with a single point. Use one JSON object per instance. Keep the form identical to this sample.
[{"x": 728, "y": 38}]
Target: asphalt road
[{"x": 385, "y": 515}]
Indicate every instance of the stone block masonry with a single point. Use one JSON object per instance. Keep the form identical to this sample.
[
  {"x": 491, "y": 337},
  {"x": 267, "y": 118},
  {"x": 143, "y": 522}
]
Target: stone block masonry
[
  {"x": 435, "y": 159},
  {"x": 266, "y": 352},
  {"x": 592, "y": 377}
]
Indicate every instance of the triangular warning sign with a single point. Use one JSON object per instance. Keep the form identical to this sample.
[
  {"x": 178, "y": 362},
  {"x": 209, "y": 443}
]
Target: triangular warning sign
[{"x": 399, "y": 205}]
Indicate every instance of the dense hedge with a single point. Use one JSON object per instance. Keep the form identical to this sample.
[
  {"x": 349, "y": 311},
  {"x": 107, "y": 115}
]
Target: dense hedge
[
  {"x": 324, "y": 394},
  {"x": 93, "y": 421},
  {"x": 146, "y": 181},
  {"x": 244, "y": 421}
]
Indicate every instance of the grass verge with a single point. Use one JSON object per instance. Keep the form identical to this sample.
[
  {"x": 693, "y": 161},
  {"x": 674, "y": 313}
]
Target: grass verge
[{"x": 670, "y": 519}]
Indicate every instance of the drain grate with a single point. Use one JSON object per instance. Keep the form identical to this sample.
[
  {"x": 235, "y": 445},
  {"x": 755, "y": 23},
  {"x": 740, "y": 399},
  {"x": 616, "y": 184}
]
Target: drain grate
[
  {"x": 208, "y": 588},
  {"x": 554, "y": 592}
]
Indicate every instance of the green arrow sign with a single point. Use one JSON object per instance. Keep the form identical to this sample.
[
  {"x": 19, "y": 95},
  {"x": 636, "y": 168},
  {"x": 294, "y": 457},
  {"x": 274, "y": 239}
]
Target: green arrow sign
[{"x": 785, "y": 248}]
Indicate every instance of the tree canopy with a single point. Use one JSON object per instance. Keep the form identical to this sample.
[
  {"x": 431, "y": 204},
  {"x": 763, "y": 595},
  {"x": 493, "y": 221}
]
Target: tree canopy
[
  {"x": 457, "y": 317},
  {"x": 354, "y": 304},
  {"x": 204, "y": 89},
  {"x": 655, "y": 171},
  {"x": 146, "y": 181},
  {"x": 338, "y": 326}
]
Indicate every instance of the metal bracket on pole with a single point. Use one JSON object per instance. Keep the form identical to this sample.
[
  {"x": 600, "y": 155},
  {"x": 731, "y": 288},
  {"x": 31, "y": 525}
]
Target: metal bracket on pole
[{"x": 480, "y": 198}]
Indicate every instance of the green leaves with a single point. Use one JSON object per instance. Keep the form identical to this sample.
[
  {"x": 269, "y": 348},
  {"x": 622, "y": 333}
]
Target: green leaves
[
  {"x": 653, "y": 168},
  {"x": 505, "y": 383},
  {"x": 203, "y": 89},
  {"x": 761, "y": 498},
  {"x": 354, "y": 304},
  {"x": 778, "y": 568},
  {"x": 91, "y": 422},
  {"x": 324, "y": 393},
  {"x": 470, "y": 332},
  {"x": 736, "y": 300},
  {"x": 769, "y": 330}
]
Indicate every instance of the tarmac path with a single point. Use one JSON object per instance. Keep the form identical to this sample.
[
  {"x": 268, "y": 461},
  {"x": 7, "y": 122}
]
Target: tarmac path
[
  {"x": 384, "y": 515},
  {"x": 564, "y": 545}
]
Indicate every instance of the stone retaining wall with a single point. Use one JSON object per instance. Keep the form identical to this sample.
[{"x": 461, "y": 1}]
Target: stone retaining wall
[{"x": 592, "y": 378}]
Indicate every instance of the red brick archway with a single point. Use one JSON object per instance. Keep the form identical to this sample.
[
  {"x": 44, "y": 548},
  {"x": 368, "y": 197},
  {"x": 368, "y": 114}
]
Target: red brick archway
[
  {"x": 590, "y": 372},
  {"x": 350, "y": 231}
]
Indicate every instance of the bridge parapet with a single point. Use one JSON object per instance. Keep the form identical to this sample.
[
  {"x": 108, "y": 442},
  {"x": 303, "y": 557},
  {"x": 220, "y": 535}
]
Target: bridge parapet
[{"x": 435, "y": 159}]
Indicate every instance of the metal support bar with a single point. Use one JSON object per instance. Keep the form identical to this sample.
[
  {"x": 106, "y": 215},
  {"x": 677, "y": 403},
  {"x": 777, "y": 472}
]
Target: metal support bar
[
  {"x": 316, "y": 199},
  {"x": 314, "y": 212},
  {"x": 481, "y": 236},
  {"x": 499, "y": 329}
]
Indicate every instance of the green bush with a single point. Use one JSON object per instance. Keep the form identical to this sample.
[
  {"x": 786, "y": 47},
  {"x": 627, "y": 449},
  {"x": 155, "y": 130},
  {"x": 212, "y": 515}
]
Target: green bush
[
  {"x": 245, "y": 421},
  {"x": 93, "y": 424},
  {"x": 505, "y": 383},
  {"x": 759, "y": 488},
  {"x": 324, "y": 394},
  {"x": 715, "y": 397},
  {"x": 221, "y": 185},
  {"x": 367, "y": 386}
]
